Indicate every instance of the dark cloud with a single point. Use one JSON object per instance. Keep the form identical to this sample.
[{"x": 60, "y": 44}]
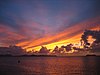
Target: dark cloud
[{"x": 35, "y": 21}]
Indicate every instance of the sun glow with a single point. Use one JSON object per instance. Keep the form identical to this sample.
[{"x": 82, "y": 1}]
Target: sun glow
[
  {"x": 69, "y": 35},
  {"x": 51, "y": 46}
]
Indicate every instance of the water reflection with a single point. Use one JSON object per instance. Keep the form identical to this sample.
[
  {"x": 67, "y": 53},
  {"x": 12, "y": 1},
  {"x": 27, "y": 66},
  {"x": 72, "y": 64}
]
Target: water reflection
[{"x": 50, "y": 66}]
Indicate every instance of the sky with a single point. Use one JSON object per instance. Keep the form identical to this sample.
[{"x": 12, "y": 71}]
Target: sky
[{"x": 33, "y": 23}]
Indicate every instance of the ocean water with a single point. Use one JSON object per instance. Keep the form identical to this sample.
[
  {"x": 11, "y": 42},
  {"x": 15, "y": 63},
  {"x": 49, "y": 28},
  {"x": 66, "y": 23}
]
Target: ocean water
[{"x": 50, "y": 65}]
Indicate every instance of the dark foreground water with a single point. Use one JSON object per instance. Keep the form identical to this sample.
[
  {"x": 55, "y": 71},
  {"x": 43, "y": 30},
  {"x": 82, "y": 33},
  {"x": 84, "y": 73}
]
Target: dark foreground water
[{"x": 50, "y": 66}]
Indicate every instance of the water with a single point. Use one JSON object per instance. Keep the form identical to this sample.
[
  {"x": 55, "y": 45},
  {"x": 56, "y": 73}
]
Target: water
[{"x": 50, "y": 66}]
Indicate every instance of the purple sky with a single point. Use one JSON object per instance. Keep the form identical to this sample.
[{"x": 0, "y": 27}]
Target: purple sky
[{"x": 25, "y": 21}]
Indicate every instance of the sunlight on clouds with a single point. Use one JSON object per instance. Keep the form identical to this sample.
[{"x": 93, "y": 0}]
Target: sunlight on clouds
[{"x": 69, "y": 35}]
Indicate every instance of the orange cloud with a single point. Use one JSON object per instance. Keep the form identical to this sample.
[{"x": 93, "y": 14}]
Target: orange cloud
[
  {"x": 29, "y": 38},
  {"x": 69, "y": 35}
]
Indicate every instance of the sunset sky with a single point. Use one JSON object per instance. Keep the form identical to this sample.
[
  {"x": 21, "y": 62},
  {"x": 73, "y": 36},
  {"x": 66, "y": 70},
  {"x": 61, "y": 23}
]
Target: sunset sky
[{"x": 33, "y": 23}]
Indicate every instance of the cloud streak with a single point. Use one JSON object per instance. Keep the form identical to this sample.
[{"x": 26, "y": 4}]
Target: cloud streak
[
  {"x": 33, "y": 23},
  {"x": 67, "y": 34}
]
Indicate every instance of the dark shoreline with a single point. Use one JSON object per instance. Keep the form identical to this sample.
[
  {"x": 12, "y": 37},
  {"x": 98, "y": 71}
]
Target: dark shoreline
[
  {"x": 46, "y": 56},
  {"x": 28, "y": 56}
]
